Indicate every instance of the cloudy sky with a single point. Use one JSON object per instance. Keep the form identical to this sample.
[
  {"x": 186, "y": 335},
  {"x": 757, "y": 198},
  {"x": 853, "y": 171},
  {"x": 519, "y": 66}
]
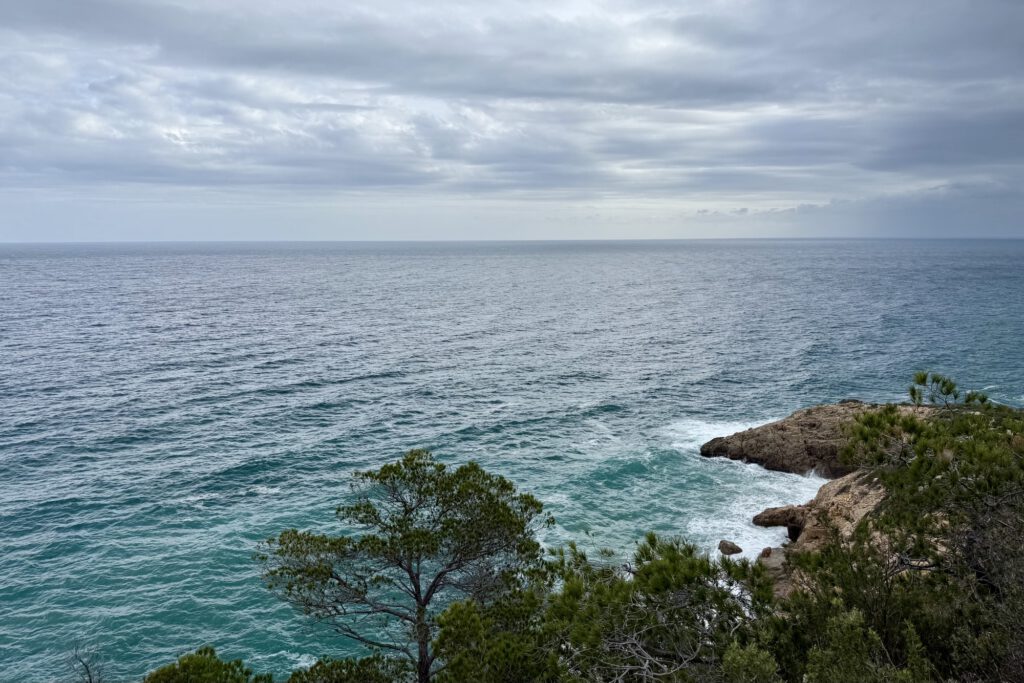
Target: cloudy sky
[{"x": 450, "y": 119}]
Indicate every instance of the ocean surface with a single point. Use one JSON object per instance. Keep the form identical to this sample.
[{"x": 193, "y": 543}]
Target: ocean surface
[{"x": 163, "y": 407}]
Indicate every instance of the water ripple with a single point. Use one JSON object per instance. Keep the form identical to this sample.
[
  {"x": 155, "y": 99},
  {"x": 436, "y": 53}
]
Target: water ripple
[{"x": 165, "y": 407}]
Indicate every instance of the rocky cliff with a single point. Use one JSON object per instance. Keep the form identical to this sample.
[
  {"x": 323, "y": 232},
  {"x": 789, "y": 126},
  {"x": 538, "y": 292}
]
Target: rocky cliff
[
  {"x": 808, "y": 440},
  {"x": 841, "y": 503}
]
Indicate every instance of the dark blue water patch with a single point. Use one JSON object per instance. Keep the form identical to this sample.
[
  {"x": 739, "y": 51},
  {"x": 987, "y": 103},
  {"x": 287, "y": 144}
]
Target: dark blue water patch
[{"x": 165, "y": 407}]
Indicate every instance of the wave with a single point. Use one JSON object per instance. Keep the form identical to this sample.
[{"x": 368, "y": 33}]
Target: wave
[
  {"x": 731, "y": 492},
  {"x": 690, "y": 433}
]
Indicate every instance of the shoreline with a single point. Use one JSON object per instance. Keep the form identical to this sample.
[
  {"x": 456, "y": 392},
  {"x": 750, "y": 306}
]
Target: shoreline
[{"x": 807, "y": 442}]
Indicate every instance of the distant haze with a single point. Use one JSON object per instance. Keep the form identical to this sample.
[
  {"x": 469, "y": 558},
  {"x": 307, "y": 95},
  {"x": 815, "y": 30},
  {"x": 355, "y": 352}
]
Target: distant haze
[{"x": 448, "y": 119}]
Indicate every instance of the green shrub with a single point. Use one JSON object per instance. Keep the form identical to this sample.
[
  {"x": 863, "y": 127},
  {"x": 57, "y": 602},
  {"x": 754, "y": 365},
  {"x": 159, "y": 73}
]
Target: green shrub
[{"x": 203, "y": 666}]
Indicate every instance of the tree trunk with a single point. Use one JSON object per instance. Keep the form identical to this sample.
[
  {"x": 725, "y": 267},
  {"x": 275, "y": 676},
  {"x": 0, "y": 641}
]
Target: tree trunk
[{"x": 423, "y": 645}]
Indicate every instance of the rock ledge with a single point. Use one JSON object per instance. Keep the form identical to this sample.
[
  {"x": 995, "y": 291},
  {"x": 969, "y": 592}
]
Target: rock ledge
[{"x": 808, "y": 440}]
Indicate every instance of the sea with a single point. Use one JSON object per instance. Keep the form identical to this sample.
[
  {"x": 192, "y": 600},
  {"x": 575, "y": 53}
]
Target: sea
[{"x": 164, "y": 407}]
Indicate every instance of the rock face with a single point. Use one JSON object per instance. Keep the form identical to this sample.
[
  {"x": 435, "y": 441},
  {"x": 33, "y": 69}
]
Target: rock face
[
  {"x": 808, "y": 440},
  {"x": 841, "y": 503},
  {"x": 729, "y": 548},
  {"x": 793, "y": 517},
  {"x": 774, "y": 562}
]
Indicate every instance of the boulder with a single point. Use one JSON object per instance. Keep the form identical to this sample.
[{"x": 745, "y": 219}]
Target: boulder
[{"x": 729, "y": 548}]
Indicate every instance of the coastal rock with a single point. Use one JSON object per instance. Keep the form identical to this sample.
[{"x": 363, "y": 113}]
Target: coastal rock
[
  {"x": 808, "y": 440},
  {"x": 787, "y": 515},
  {"x": 729, "y": 548},
  {"x": 841, "y": 504},
  {"x": 777, "y": 569},
  {"x": 793, "y": 517}
]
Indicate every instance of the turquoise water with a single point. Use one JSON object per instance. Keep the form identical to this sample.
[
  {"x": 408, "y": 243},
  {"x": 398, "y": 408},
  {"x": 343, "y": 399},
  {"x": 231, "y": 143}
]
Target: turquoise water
[{"x": 164, "y": 407}]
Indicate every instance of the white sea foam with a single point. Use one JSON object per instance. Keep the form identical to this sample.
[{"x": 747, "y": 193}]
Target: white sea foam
[
  {"x": 601, "y": 437},
  {"x": 303, "y": 661},
  {"x": 758, "y": 489},
  {"x": 197, "y": 499},
  {"x": 295, "y": 660},
  {"x": 689, "y": 434},
  {"x": 733, "y": 492}
]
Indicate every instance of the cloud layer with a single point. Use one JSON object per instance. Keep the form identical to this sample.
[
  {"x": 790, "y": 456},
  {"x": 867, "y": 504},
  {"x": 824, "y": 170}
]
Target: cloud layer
[{"x": 787, "y": 114}]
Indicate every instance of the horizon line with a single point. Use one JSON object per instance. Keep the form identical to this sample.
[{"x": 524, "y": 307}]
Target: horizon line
[{"x": 519, "y": 241}]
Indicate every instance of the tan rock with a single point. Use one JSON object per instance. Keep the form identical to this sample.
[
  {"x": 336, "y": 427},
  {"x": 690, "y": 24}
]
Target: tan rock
[
  {"x": 729, "y": 548},
  {"x": 790, "y": 516},
  {"x": 841, "y": 503},
  {"x": 774, "y": 562},
  {"x": 809, "y": 440}
]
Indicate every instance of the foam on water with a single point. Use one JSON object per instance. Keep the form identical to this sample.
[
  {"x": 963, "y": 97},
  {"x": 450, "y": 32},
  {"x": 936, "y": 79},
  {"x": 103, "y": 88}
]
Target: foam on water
[
  {"x": 747, "y": 488},
  {"x": 691, "y": 433},
  {"x": 295, "y": 660},
  {"x": 264, "y": 490}
]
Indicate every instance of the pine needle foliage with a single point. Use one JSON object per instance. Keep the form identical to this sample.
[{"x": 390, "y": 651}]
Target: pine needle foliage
[{"x": 418, "y": 537}]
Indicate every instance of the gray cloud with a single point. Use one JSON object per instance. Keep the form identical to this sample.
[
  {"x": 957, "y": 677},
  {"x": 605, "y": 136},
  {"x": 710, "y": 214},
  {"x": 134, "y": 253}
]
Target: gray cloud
[{"x": 689, "y": 109}]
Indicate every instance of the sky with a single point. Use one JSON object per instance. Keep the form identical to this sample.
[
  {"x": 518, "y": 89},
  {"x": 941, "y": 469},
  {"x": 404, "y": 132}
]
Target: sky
[{"x": 450, "y": 119}]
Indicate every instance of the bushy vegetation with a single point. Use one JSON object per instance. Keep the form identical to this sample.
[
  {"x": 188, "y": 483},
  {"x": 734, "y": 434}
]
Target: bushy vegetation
[
  {"x": 442, "y": 580},
  {"x": 203, "y": 666}
]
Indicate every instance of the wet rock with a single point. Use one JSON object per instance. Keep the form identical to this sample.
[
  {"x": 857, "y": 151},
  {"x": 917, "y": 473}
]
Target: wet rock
[{"x": 729, "y": 548}]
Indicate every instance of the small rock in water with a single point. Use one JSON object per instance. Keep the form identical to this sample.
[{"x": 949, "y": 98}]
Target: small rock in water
[{"x": 728, "y": 548}]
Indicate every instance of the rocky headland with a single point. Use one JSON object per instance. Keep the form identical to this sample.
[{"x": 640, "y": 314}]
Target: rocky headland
[{"x": 809, "y": 440}]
